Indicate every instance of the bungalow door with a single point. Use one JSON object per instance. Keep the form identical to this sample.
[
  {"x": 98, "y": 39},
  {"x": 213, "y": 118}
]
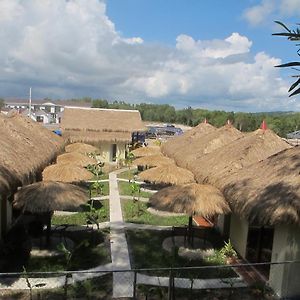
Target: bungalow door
[
  {"x": 113, "y": 152},
  {"x": 259, "y": 246}
]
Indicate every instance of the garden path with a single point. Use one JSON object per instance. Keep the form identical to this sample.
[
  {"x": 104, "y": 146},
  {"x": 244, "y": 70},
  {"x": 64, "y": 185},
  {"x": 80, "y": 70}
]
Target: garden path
[{"x": 122, "y": 282}]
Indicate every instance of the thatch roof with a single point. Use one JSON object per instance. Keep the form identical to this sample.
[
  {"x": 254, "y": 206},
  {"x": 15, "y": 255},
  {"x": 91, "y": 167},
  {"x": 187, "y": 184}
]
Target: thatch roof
[
  {"x": 66, "y": 173},
  {"x": 48, "y": 196},
  {"x": 96, "y": 137},
  {"x": 204, "y": 200},
  {"x": 104, "y": 121},
  {"x": 153, "y": 161},
  {"x": 146, "y": 151},
  {"x": 176, "y": 143},
  {"x": 269, "y": 191},
  {"x": 238, "y": 154},
  {"x": 76, "y": 159},
  {"x": 167, "y": 174},
  {"x": 26, "y": 148},
  {"x": 188, "y": 154},
  {"x": 81, "y": 148}
]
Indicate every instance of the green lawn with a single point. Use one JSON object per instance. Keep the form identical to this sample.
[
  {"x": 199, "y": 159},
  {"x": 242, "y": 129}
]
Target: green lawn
[
  {"x": 80, "y": 217},
  {"x": 136, "y": 212},
  {"x": 101, "y": 177},
  {"x": 105, "y": 190},
  {"x": 128, "y": 174},
  {"x": 125, "y": 189},
  {"x": 94, "y": 252},
  {"x": 147, "y": 252}
]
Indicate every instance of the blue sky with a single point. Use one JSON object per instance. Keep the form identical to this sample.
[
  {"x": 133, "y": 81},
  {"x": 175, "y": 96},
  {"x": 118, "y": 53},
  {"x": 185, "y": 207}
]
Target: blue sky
[{"x": 211, "y": 54}]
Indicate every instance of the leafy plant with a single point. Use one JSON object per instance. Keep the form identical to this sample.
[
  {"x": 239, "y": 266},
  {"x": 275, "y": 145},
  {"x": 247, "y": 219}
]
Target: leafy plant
[
  {"x": 98, "y": 186},
  {"x": 292, "y": 35},
  {"x": 228, "y": 250}
]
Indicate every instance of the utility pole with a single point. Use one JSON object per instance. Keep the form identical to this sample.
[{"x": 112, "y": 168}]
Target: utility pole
[{"x": 29, "y": 109}]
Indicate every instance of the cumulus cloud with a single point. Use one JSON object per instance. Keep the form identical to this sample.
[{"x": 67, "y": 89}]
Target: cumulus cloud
[
  {"x": 270, "y": 9},
  {"x": 72, "y": 49}
]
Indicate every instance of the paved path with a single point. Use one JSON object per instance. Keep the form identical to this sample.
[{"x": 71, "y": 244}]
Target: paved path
[{"x": 122, "y": 282}]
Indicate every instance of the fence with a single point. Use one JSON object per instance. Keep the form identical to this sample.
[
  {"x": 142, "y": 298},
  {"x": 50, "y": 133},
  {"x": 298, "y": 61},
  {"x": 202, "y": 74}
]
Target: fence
[{"x": 238, "y": 281}]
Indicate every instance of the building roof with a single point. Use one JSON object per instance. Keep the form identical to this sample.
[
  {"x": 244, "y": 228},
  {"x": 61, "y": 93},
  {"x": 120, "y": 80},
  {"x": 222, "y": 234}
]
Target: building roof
[
  {"x": 26, "y": 148},
  {"x": 96, "y": 124},
  {"x": 269, "y": 191}
]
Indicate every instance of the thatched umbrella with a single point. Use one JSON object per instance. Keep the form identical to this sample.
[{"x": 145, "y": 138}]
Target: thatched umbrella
[
  {"x": 76, "y": 159},
  {"x": 204, "y": 200},
  {"x": 153, "y": 161},
  {"x": 168, "y": 174},
  {"x": 146, "y": 151},
  {"x": 81, "y": 148},
  {"x": 267, "y": 192},
  {"x": 45, "y": 197},
  {"x": 48, "y": 196},
  {"x": 66, "y": 173}
]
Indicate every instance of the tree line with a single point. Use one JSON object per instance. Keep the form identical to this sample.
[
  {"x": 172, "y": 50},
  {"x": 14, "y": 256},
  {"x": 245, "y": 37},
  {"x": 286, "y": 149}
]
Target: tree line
[{"x": 280, "y": 122}]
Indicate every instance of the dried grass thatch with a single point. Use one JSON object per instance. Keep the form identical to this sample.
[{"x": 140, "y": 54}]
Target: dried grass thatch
[
  {"x": 187, "y": 154},
  {"x": 176, "y": 143},
  {"x": 168, "y": 174},
  {"x": 96, "y": 137},
  {"x": 66, "y": 173},
  {"x": 48, "y": 196},
  {"x": 81, "y": 148},
  {"x": 76, "y": 159},
  {"x": 146, "y": 151},
  {"x": 26, "y": 148},
  {"x": 96, "y": 124},
  {"x": 238, "y": 154},
  {"x": 153, "y": 161},
  {"x": 267, "y": 192},
  {"x": 200, "y": 199}
]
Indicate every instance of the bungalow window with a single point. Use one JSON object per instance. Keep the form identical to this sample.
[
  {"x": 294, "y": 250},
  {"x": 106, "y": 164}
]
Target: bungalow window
[{"x": 40, "y": 119}]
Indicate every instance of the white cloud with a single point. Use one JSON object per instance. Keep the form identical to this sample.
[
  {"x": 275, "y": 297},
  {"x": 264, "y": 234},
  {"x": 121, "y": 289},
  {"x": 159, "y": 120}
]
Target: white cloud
[
  {"x": 269, "y": 10},
  {"x": 72, "y": 49}
]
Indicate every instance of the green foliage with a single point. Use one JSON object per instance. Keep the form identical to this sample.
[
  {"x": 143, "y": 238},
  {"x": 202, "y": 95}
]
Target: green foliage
[
  {"x": 136, "y": 212},
  {"x": 292, "y": 35},
  {"x": 218, "y": 258},
  {"x": 135, "y": 189},
  {"x": 2, "y": 103},
  {"x": 228, "y": 250}
]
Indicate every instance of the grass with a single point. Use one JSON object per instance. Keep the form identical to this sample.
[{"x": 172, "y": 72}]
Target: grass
[
  {"x": 148, "y": 244},
  {"x": 125, "y": 190},
  {"x": 136, "y": 212},
  {"x": 84, "y": 256},
  {"x": 99, "y": 288},
  {"x": 128, "y": 174},
  {"x": 101, "y": 177},
  {"x": 80, "y": 217},
  {"x": 105, "y": 190}
]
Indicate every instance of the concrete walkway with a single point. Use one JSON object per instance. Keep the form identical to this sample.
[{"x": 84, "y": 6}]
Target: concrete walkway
[{"x": 122, "y": 282}]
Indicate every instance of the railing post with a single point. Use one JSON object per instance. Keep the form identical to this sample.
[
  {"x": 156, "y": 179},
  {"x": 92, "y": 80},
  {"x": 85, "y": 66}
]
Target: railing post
[{"x": 134, "y": 285}]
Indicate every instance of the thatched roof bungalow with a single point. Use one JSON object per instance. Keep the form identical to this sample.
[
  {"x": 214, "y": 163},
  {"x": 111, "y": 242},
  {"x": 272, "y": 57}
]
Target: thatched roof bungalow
[
  {"x": 110, "y": 130},
  {"x": 187, "y": 155},
  {"x": 264, "y": 226},
  {"x": 26, "y": 148},
  {"x": 171, "y": 146},
  {"x": 238, "y": 154}
]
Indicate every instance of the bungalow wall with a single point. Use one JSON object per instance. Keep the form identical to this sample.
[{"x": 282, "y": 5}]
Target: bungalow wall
[
  {"x": 5, "y": 215},
  {"x": 106, "y": 149},
  {"x": 285, "y": 279},
  {"x": 238, "y": 234}
]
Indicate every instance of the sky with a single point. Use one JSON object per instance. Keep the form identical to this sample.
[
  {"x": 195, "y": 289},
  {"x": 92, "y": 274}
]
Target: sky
[{"x": 205, "y": 54}]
